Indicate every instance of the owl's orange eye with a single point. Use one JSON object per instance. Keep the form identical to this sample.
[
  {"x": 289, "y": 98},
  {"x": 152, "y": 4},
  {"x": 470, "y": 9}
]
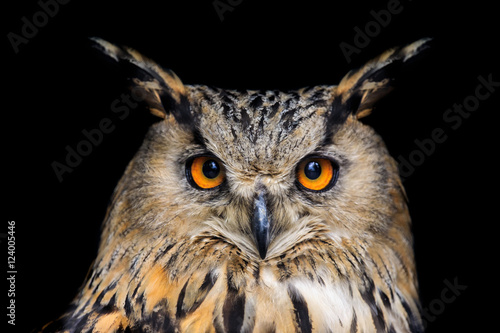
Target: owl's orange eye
[
  {"x": 317, "y": 174},
  {"x": 205, "y": 172}
]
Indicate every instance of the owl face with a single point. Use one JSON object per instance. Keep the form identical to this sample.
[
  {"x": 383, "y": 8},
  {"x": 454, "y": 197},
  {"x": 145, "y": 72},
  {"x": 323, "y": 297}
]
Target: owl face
[
  {"x": 264, "y": 170},
  {"x": 255, "y": 211}
]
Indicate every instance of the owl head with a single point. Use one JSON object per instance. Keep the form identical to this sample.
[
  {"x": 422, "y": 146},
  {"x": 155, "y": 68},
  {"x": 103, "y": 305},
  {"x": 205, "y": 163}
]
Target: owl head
[
  {"x": 260, "y": 170},
  {"x": 255, "y": 211}
]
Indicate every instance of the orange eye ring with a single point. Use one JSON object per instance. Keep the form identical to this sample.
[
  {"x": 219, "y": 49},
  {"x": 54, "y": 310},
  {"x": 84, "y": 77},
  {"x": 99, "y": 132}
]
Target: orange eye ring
[
  {"x": 205, "y": 172},
  {"x": 317, "y": 174}
]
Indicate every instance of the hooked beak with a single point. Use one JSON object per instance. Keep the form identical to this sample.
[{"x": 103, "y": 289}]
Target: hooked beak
[{"x": 261, "y": 224}]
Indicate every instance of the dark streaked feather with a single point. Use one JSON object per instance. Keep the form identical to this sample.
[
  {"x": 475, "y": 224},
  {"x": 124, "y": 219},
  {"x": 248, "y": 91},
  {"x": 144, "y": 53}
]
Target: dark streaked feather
[
  {"x": 300, "y": 309},
  {"x": 360, "y": 89},
  {"x": 160, "y": 88}
]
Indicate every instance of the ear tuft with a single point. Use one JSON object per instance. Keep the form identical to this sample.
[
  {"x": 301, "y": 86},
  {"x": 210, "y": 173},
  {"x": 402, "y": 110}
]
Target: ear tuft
[
  {"x": 160, "y": 88},
  {"x": 358, "y": 91}
]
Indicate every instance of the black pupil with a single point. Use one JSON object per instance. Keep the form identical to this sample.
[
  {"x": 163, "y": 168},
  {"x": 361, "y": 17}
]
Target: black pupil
[
  {"x": 312, "y": 170},
  {"x": 211, "y": 169}
]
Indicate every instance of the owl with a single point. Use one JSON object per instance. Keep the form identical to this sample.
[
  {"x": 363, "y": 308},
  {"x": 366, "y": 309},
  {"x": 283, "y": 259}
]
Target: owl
[{"x": 255, "y": 211}]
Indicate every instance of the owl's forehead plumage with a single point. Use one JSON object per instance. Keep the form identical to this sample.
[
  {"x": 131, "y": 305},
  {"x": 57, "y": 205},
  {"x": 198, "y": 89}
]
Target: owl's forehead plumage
[{"x": 261, "y": 129}]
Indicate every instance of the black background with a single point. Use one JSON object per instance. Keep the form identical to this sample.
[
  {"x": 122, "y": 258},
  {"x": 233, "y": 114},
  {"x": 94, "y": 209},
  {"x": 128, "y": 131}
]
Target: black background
[{"x": 56, "y": 85}]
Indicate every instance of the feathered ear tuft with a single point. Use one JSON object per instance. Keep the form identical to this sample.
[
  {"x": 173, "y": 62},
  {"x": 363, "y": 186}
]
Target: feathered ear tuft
[
  {"x": 360, "y": 89},
  {"x": 160, "y": 88}
]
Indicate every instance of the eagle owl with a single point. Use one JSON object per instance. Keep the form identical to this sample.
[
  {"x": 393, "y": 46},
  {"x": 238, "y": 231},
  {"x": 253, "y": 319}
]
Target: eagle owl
[{"x": 255, "y": 211}]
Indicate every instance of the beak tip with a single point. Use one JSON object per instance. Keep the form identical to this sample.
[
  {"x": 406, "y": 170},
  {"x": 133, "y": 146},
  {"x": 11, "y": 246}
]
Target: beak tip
[
  {"x": 263, "y": 252},
  {"x": 262, "y": 242}
]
